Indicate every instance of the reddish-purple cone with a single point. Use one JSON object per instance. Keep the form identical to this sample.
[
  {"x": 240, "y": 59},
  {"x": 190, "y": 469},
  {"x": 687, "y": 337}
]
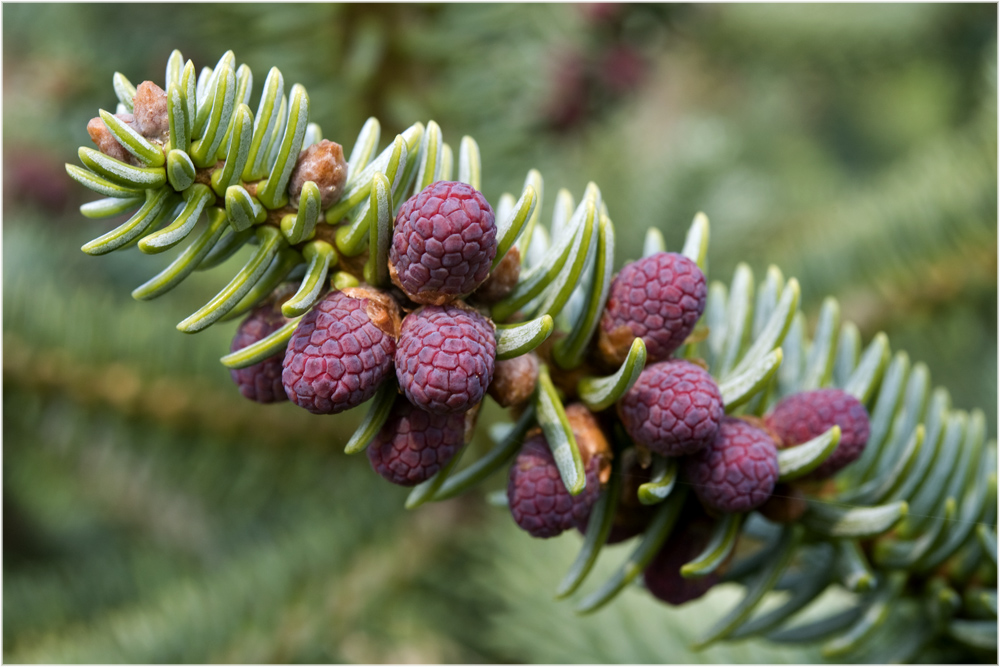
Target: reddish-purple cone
[
  {"x": 631, "y": 516},
  {"x": 659, "y": 299},
  {"x": 445, "y": 358},
  {"x": 443, "y": 244},
  {"x": 262, "y": 381},
  {"x": 674, "y": 408},
  {"x": 663, "y": 575},
  {"x": 537, "y": 496},
  {"x": 737, "y": 471},
  {"x": 802, "y": 417},
  {"x": 413, "y": 444},
  {"x": 337, "y": 357}
]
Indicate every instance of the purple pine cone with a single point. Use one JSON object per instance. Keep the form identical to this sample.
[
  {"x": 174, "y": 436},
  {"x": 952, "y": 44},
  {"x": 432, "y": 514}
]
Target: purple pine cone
[
  {"x": 538, "y": 498},
  {"x": 445, "y": 358},
  {"x": 631, "y": 516},
  {"x": 663, "y": 576},
  {"x": 339, "y": 355},
  {"x": 737, "y": 471},
  {"x": 801, "y": 417},
  {"x": 443, "y": 244},
  {"x": 674, "y": 408},
  {"x": 659, "y": 299},
  {"x": 413, "y": 445},
  {"x": 262, "y": 381}
]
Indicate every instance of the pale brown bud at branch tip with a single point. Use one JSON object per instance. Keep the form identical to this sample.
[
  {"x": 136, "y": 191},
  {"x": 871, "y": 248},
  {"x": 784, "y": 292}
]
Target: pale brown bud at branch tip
[
  {"x": 106, "y": 142},
  {"x": 150, "y": 108},
  {"x": 324, "y": 165}
]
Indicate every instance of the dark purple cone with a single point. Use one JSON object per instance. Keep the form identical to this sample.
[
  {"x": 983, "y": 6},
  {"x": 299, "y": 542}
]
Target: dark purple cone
[
  {"x": 445, "y": 358},
  {"x": 262, "y": 381},
  {"x": 631, "y": 516},
  {"x": 538, "y": 498},
  {"x": 663, "y": 576},
  {"x": 737, "y": 471},
  {"x": 674, "y": 408},
  {"x": 443, "y": 244},
  {"x": 659, "y": 299},
  {"x": 337, "y": 357},
  {"x": 413, "y": 445},
  {"x": 802, "y": 417}
]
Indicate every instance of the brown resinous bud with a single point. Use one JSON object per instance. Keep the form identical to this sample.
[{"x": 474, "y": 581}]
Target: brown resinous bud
[
  {"x": 323, "y": 164},
  {"x": 149, "y": 118},
  {"x": 514, "y": 380},
  {"x": 590, "y": 440}
]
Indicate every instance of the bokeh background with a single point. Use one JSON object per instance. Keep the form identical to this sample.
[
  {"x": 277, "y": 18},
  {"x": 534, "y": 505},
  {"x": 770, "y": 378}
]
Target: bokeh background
[{"x": 150, "y": 514}]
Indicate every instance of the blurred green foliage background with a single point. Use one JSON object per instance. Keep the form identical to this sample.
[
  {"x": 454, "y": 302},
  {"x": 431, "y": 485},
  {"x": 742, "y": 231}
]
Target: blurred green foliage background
[{"x": 150, "y": 514}]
